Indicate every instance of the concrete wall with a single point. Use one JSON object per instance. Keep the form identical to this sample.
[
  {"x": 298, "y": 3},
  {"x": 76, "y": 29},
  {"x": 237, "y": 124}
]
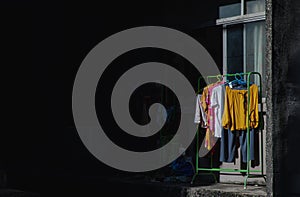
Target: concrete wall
[{"x": 283, "y": 61}]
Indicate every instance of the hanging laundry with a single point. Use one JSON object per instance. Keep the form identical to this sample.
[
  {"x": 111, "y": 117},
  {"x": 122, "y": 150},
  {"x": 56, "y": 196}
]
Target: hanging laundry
[
  {"x": 217, "y": 105},
  {"x": 206, "y": 104},
  {"x": 234, "y": 121},
  {"x": 235, "y": 109},
  {"x": 232, "y": 140},
  {"x": 200, "y": 115},
  {"x": 209, "y": 140}
]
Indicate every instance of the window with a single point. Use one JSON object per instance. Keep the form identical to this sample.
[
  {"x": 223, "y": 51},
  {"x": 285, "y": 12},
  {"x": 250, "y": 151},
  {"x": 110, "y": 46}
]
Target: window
[{"x": 244, "y": 37}]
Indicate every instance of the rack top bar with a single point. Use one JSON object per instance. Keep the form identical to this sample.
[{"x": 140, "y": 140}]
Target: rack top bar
[{"x": 232, "y": 75}]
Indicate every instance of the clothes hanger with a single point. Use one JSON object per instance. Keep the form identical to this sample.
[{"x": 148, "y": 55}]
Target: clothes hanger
[
  {"x": 241, "y": 80},
  {"x": 219, "y": 77}
]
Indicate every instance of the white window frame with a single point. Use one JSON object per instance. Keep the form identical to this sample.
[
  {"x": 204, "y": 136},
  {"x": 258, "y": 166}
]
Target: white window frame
[{"x": 239, "y": 19}]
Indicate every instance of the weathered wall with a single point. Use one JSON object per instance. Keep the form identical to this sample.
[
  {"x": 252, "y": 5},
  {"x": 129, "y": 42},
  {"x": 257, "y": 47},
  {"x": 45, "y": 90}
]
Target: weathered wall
[{"x": 283, "y": 61}]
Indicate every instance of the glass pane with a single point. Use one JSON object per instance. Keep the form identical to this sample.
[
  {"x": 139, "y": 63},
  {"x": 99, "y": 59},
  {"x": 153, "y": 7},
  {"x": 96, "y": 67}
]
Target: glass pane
[
  {"x": 255, "y": 50},
  {"x": 254, "y": 6},
  {"x": 230, "y": 10},
  {"x": 235, "y": 49}
]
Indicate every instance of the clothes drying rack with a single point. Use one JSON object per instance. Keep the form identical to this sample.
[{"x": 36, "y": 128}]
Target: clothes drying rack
[{"x": 249, "y": 172}]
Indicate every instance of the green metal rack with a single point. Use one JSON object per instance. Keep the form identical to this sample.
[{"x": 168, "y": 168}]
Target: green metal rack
[{"x": 249, "y": 172}]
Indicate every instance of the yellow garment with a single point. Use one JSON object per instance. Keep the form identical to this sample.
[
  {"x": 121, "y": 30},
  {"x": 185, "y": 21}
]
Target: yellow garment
[
  {"x": 203, "y": 100},
  {"x": 209, "y": 139},
  {"x": 205, "y": 108},
  {"x": 235, "y": 109}
]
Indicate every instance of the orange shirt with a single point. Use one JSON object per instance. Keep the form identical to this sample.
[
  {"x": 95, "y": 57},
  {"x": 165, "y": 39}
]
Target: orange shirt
[{"x": 235, "y": 109}]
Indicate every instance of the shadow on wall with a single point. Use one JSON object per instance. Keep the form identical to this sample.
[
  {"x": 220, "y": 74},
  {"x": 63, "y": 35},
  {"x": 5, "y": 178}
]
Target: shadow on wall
[{"x": 291, "y": 171}]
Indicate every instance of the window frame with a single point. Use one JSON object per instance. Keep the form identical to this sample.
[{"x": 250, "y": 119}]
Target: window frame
[{"x": 234, "y": 20}]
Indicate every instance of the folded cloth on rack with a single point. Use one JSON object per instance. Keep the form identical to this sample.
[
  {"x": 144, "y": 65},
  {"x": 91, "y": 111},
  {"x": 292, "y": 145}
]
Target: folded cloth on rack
[
  {"x": 232, "y": 140},
  {"x": 235, "y": 109}
]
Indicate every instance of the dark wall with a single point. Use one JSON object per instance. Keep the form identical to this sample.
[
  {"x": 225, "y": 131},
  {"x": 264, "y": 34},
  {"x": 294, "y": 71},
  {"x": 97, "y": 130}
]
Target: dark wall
[
  {"x": 292, "y": 160},
  {"x": 284, "y": 99},
  {"x": 44, "y": 45}
]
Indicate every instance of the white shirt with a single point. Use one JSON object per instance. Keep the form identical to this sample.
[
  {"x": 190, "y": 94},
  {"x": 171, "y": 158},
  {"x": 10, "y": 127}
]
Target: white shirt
[
  {"x": 199, "y": 113},
  {"x": 217, "y": 103}
]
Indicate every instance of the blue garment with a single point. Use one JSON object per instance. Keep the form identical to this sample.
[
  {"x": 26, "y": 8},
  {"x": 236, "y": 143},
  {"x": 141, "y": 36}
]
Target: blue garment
[
  {"x": 228, "y": 145},
  {"x": 183, "y": 166}
]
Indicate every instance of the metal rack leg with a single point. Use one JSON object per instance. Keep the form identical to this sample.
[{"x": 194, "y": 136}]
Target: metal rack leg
[
  {"x": 194, "y": 177},
  {"x": 245, "y": 181}
]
